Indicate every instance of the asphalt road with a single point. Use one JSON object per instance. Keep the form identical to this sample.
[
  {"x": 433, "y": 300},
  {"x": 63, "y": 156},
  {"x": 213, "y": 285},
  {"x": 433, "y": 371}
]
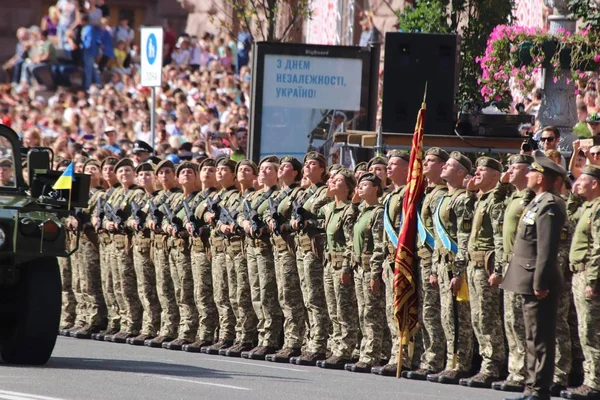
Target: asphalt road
[{"x": 90, "y": 370}]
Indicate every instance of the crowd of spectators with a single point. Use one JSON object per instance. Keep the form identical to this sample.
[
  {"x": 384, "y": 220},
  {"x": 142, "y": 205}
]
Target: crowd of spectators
[{"x": 202, "y": 106}]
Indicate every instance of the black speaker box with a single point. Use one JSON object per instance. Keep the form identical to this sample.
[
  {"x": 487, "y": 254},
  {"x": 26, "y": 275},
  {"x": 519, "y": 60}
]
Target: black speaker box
[{"x": 411, "y": 59}]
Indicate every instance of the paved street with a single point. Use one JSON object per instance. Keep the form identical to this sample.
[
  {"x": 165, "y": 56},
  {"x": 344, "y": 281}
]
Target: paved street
[{"x": 84, "y": 369}]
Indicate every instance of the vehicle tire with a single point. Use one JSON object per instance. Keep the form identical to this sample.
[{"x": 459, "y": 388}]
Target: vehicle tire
[{"x": 36, "y": 322}]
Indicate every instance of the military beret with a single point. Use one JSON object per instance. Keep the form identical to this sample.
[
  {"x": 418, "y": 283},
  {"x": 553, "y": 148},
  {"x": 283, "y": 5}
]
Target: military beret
[
  {"x": 186, "y": 165},
  {"x": 153, "y": 159},
  {"x": 207, "y": 162},
  {"x": 546, "y": 166},
  {"x": 6, "y": 162},
  {"x": 269, "y": 159},
  {"x": 591, "y": 170},
  {"x": 92, "y": 161},
  {"x": 521, "y": 159},
  {"x": 296, "y": 165},
  {"x": 405, "y": 155},
  {"x": 82, "y": 160},
  {"x": 370, "y": 177},
  {"x": 227, "y": 162},
  {"x": 139, "y": 146},
  {"x": 109, "y": 161},
  {"x": 440, "y": 153},
  {"x": 489, "y": 163},
  {"x": 349, "y": 178},
  {"x": 377, "y": 161},
  {"x": 361, "y": 166},
  {"x": 334, "y": 167},
  {"x": 249, "y": 163},
  {"x": 165, "y": 164},
  {"x": 313, "y": 155},
  {"x": 145, "y": 166},
  {"x": 462, "y": 160},
  {"x": 124, "y": 162}
]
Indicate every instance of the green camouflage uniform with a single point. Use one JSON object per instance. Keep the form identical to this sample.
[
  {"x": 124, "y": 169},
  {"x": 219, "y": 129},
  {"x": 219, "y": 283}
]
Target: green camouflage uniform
[
  {"x": 67, "y": 318},
  {"x": 77, "y": 283}
]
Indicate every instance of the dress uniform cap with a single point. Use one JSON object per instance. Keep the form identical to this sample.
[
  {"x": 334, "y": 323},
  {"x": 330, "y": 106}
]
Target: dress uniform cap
[
  {"x": 521, "y": 159},
  {"x": 440, "y": 153},
  {"x": 207, "y": 162},
  {"x": 145, "y": 166},
  {"x": 377, "y": 161},
  {"x": 165, "y": 164},
  {"x": 295, "y": 164},
  {"x": 249, "y": 163},
  {"x": 109, "y": 161},
  {"x": 186, "y": 165},
  {"x": 227, "y": 162},
  {"x": 313, "y": 155},
  {"x": 489, "y": 163},
  {"x": 370, "y": 177},
  {"x": 592, "y": 171},
  {"x": 405, "y": 155},
  {"x": 139, "y": 146},
  {"x": 124, "y": 162},
  {"x": 269, "y": 159},
  {"x": 462, "y": 159},
  {"x": 361, "y": 166},
  {"x": 546, "y": 166}
]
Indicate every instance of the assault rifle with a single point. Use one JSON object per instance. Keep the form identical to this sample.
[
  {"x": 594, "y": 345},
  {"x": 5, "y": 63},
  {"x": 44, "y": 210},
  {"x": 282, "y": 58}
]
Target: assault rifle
[
  {"x": 171, "y": 217},
  {"x": 189, "y": 214},
  {"x": 229, "y": 218},
  {"x": 99, "y": 214},
  {"x": 153, "y": 213},
  {"x": 299, "y": 214},
  {"x": 212, "y": 206},
  {"x": 252, "y": 215},
  {"x": 138, "y": 215},
  {"x": 275, "y": 216},
  {"x": 113, "y": 215}
]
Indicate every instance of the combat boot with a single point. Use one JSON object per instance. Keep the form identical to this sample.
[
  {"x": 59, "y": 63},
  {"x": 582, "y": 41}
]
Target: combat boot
[
  {"x": 333, "y": 362},
  {"x": 581, "y": 392},
  {"x": 480, "y": 380},
  {"x": 307, "y": 358},
  {"x": 556, "y": 390},
  {"x": 358, "y": 367},
  {"x": 509, "y": 386},
  {"x": 121, "y": 337},
  {"x": 158, "y": 341},
  {"x": 283, "y": 355},
  {"x": 419, "y": 374},
  {"x": 196, "y": 346},
  {"x": 214, "y": 349},
  {"x": 176, "y": 344},
  {"x": 259, "y": 353},
  {"x": 451, "y": 377},
  {"x": 236, "y": 350},
  {"x": 67, "y": 332},
  {"x": 386, "y": 370},
  {"x": 139, "y": 340},
  {"x": 85, "y": 333},
  {"x": 102, "y": 334}
]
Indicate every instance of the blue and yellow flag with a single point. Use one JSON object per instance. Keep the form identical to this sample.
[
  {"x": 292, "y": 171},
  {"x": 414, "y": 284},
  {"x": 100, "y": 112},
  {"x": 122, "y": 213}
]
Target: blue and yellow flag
[{"x": 65, "y": 181}]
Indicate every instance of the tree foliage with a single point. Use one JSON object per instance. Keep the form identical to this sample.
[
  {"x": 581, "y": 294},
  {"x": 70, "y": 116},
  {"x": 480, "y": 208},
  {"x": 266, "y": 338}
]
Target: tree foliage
[
  {"x": 474, "y": 20},
  {"x": 587, "y": 11}
]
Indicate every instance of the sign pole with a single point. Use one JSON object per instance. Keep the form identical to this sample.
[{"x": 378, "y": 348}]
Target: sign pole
[
  {"x": 151, "y": 74},
  {"x": 153, "y": 118}
]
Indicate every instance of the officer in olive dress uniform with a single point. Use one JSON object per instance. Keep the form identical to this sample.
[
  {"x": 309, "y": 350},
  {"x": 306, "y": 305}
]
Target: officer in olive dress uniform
[{"x": 533, "y": 273}]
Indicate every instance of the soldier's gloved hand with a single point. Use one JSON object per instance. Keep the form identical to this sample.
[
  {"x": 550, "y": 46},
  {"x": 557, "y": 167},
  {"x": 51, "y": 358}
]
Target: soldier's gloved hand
[{"x": 433, "y": 281}]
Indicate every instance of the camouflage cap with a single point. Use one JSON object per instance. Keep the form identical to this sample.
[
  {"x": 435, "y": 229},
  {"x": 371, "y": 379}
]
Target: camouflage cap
[
  {"x": 462, "y": 160},
  {"x": 439, "y": 153},
  {"x": 374, "y": 179},
  {"x": 296, "y": 165},
  {"x": 145, "y": 167},
  {"x": 592, "y": 171},
  {"x": 361, "y": 166},
  {"x": 124, "y": 162},
  {"x": 227, "y": 162},
  {"x": 405, "y": 155},
  {"x": 313, "y": 155},
  {"x": 109, "y": 161},
  {"x": 377, "y": 161},
  {"x": 546, "y": 166},
  {"x": 186, "y": 165},
  {"x": 249, "y": 163},
  {"x": 269, "y": 159},
  {"x": 520, "y": 159},
  {"x": 349, "y": 178},
  {"x": 207, "y": 162},
  {"x": 489, "y": 163},
  {"x": 165, "y": 164}
]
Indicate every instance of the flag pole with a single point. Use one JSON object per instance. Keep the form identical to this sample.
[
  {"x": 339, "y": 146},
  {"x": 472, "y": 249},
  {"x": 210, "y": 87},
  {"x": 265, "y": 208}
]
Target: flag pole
[{"x": 69, "y": 203}]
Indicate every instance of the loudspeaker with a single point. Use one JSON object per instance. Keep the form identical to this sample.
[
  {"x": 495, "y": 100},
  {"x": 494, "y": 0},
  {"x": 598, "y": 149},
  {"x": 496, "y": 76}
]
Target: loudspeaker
[{"x": 411, "y": 59}]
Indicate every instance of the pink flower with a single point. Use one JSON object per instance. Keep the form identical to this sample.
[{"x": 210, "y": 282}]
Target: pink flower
[
  {"x": 555, "y": 79},
  {"x": 597, "y": 58},
  {"x": 568, "y": 81}
]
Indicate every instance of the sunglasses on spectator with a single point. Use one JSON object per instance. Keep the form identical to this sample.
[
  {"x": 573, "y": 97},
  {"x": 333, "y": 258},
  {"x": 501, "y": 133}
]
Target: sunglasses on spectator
[
  {"x": 595, "y": 154},
  {"x": 547, "y": 139}
]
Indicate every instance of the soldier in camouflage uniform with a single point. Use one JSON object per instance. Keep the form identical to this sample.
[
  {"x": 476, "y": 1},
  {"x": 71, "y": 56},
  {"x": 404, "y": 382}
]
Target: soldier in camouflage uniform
[
  {"x": 67, "y": 316},
  {"x": 179, "y": 256},
  {"x": 340, "y": 216},
  {"x": 199, "y": 231},
  {"x": 261, "y": 265},
  {"x": 452, "y": 221},
  {"x": 165, "y": 289},
  {"x": 288, "y": 280},
  {"x": 225, "y": 275},
  {"x": 367, "y": 253},
  {"x": 142, "y": 261},
  {"x": 584, "y": 258},
  {"x": 434, "y": 345},
  {"x": 309, "y": 258},
  {"x": 90, "y": 258},
  {"x": 486, "y": 262},
  {"x": 514, "y": 325},
  {"x": 124, "y": 277},
  {"x": 104, "y": 241},
  {"x": 397, "y": 171}
]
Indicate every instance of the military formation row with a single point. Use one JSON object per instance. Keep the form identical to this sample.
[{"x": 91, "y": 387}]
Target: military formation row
[{"x": 291, "y": 262}]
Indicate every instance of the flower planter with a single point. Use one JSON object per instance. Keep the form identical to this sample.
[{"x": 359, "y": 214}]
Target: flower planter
[{"x": 524, "y": 54}]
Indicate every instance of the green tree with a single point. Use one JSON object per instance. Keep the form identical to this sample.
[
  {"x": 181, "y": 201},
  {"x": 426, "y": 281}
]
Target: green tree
[{"x": 586, "y": 10}]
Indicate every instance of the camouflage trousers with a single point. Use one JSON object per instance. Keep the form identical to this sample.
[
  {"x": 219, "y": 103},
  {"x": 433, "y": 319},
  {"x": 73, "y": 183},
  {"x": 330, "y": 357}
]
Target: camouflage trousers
[
  {"x": 91, "y": 282},
  {"x": 464, "y": 350},
  {"x": 514, "y": 326},
  {"x": 106, "y": 276},
  {"x": 372, "y": 310},
  {"x": 310, "y": 271},
  {"x": 225, "y": 288},
  {"x": 183, "y": 282},
  {"x": 334, "y": 330},
  {"x": 208, "y": 317},
  {"x": 434, "y": 345},
  {"x": 165, "y": 288},
  {"x": 146, "y": 285},
  {"x": 347, "y": 314},
  {"x": 125, "y": 285},
  {"x": 263, "y": 285},
  {"x": 246, "y": 320},
  {"x": 563, "y": 359},
  {"x": 67, "y": 317},
  {"x": 290, "y": 293},
  {"x": 486, "y": 320},
  {"x": 77, "y": 282},
  {"x": 588, "y": 316}
]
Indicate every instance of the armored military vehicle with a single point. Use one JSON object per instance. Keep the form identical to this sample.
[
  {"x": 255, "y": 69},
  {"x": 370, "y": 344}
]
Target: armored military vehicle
[{"x": 32, "y": 236}]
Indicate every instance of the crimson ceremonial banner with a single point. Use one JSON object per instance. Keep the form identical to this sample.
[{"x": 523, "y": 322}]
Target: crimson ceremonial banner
[{"x": 405, "y": 285}]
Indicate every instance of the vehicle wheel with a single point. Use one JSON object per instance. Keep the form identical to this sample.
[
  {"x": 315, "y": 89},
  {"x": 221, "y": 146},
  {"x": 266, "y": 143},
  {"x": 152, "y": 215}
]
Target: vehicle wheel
[{"x": 33, "y": 337}]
